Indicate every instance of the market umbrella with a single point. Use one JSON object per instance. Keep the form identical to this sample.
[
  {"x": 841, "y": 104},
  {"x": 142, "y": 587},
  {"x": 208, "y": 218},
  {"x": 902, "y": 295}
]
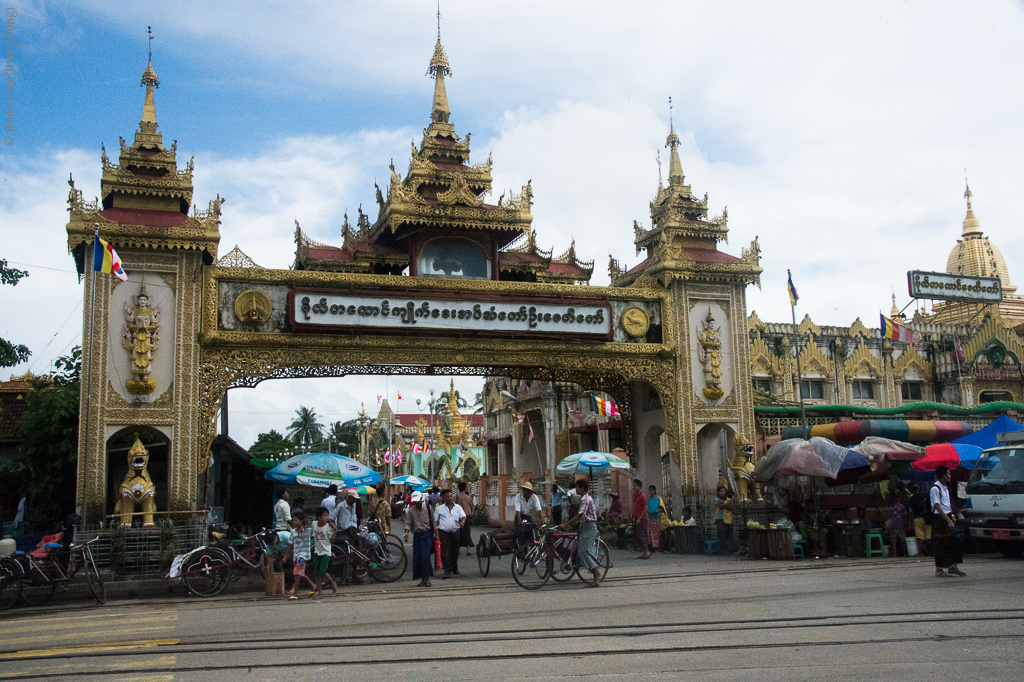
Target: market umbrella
[
  {"x": 365, "y": 490},
  {"x": 951, "y": 455},
  {"x": 587, "y": 462},
  {"x": 799, "y": 457},
  {"x": 321, "y": 469},
  {"x": 414, "y": 481}
]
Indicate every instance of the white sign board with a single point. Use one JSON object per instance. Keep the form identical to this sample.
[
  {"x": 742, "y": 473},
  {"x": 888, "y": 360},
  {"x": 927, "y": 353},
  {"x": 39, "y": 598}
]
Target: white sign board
[
  {"x": 413, "y": 313},
  {"x": 942, "y": 286}
]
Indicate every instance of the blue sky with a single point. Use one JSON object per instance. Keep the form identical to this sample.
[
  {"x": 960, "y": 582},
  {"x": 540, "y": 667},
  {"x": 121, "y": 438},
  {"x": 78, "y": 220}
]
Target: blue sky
[{"x": 836, "y": 133}]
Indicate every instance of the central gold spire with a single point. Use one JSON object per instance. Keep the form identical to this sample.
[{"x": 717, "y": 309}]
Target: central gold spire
[
  {"x": 438, "y": 70},
  {"x": 150, "y": 80},
  {"x": 971, "y": 225},
  {"x": 675, "y": 168}
]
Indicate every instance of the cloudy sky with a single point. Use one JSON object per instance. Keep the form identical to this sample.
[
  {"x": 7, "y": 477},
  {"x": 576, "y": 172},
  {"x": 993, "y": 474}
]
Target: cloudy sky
[{"x": 837, "y": 133}]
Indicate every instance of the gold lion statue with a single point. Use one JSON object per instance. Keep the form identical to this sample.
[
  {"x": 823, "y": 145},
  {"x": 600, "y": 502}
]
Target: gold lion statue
[
  {"x": 742, "y": 466},
  {"x": 137, "y": 489}
]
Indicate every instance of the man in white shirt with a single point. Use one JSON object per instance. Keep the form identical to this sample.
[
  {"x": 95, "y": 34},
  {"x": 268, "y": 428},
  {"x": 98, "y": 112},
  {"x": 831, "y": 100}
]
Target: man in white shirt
[
  {"x": 330, "y": 502},
  {"x": 449, "y": 519},
  {"x": 282, "y": 512},
  {"x": 947, "y": 551},
  {"x": 526, "y": 504}
]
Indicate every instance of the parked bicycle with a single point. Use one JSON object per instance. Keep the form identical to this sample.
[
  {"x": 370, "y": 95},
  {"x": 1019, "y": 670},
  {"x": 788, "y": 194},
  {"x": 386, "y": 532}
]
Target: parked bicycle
[
  {"x": 35, "y": 578},
  {"x": 373, "y": 553},
  {"x": 207, "y": 570},
  {"x": 556, "y": 556}
]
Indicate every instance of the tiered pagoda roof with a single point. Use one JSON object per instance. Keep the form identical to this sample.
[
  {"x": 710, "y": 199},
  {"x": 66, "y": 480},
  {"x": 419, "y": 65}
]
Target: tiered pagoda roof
[
  {"x": 145, "y": 199},
  {"x": 683, "y": 242}
]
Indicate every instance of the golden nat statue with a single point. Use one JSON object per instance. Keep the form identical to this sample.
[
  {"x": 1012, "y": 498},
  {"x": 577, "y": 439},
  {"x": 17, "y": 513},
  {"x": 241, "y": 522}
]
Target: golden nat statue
[{"x": 137, "y": 489}]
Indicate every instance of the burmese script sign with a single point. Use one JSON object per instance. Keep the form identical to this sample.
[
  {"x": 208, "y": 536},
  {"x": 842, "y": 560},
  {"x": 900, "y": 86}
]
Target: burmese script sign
[
  {"x": 409, "y": 312},
  {"x": 942, "y": 286}
]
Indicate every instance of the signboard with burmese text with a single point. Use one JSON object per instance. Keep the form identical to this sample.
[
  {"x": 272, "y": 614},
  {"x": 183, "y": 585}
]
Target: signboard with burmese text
[
  {"x": 415, "y": 313},
  {"x": 942, "y": 286}
]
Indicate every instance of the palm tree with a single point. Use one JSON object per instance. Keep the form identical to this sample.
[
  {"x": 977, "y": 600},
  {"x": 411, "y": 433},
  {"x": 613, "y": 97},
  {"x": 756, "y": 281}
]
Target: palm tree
[
  {"x": 305, "y": 429},
  {"x": 478, "y": 403},
  {"x": 344, "y": 432}
]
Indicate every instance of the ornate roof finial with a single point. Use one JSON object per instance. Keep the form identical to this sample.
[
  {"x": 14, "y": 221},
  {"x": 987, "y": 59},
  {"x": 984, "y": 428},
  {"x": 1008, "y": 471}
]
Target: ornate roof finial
[
  {"x": 675, "y": 168},
  {"x": 150, "y": 80},
  {"x": 142, "y": 289},
  {"x": 438, "y": 70},
  {"x": 971, "y": 224}
]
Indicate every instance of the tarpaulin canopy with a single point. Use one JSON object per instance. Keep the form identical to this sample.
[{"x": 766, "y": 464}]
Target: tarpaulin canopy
[
  {"x": 876, "y": 448},
  {"x": 950, "y": 455},
  {"x": 799, "y": 457},
  {"x": 986, "y": 437}
]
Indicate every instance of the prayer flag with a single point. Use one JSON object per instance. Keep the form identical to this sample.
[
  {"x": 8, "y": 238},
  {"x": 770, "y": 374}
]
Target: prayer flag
[
  {"x": 105, "y": 259},
  {"x": 576, "y": 415},
  {"x": 605, "y": 408},
  {"x": 793, "y": 296},
  {"x": 898, "y": 332},
  {"x": 961, "y": 357},
  {"x": 416, "y": 449},
  {"x": 399, "y": 395},
  {"x": 378, "y": 398}
]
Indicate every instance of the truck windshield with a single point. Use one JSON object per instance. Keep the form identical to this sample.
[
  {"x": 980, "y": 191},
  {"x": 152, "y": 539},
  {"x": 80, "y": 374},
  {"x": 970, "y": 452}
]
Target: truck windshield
[{"x": 998, "y": 473}]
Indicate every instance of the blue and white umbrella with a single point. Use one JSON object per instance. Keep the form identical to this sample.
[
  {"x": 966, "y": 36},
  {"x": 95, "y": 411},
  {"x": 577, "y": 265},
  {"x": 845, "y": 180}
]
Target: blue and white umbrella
[
  {"x": 321, "y": 469},
  {"x": 414, "y": 481},
  {"x": 587, "y": 462}
]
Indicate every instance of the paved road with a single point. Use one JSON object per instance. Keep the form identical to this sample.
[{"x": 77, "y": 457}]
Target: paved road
[{"x": 692, "y": 617}]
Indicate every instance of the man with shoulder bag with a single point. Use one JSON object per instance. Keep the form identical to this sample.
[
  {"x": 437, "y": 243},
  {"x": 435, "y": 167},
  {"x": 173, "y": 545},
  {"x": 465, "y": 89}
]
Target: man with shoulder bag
[{"x": 948, "y": 554}]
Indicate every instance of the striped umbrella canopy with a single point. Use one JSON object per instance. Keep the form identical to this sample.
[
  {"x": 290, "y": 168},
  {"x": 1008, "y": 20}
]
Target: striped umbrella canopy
[
  {"x": 951, "y": 455},
  {"x": 321, "y": 469},
  {"x": 587, "y": 462},
  {"x": 415, "y": 481}
]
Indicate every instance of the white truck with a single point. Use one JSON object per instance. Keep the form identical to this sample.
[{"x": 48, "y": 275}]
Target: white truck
[{"x": 996, "y": 493}]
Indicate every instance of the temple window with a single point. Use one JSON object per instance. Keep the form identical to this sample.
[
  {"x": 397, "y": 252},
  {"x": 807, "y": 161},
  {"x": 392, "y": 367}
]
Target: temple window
[
  {"x": 812, "y": 390},
  {"x": 763, "y": 385},
  {"x": 911, "y": 390},
  {"x": 863, "y": 390},
  {"x": 995, "y": 396},
  {"x": 453, "y": 258}
]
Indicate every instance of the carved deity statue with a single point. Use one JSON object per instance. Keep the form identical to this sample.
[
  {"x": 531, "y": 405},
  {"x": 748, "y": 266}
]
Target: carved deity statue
[
  {"x": 710, "y": 340},
  {"x": 141, "y": 335},
  {"x": 742, "y": 466},
  {"x": 137, "y": 490}
]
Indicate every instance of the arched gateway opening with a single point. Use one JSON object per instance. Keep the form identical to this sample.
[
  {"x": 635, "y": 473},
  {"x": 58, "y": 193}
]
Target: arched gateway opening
[{"x": 441, "y": 282}]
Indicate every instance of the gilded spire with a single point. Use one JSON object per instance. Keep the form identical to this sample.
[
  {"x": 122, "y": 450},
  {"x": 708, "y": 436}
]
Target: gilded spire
[
  {"x": 675, "y": 168},
  {"x": 438, "y": 70},
  {"x": 972, "y": 226},
  {"x": 150, "y": 80}
]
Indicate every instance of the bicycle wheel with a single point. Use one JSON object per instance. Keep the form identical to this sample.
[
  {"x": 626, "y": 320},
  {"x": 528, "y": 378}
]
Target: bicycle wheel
[
  {"x": 604, "y": 562},
  {"x": 483, "y": 556},
  {"x": 92, "y": 576},
  {"x": 205, "y": 573},
  {"x": 36, "y": 587},
  {"x": 532, "y": 566},
  {"x": 389, "y": 562},
  {"x": 10, "y": 582}
]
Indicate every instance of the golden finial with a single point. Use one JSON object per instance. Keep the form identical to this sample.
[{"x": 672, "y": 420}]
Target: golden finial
[
  {"x": 971, "y": 224},
  {"x": 142, "y": 289}
]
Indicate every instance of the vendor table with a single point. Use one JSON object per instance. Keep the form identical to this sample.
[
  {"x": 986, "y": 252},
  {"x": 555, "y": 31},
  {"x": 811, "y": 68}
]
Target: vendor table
[
  {"x": 687, "y": 539},
  {"x": 847, "y": 539},
  {"x": 771, "y": 544}
]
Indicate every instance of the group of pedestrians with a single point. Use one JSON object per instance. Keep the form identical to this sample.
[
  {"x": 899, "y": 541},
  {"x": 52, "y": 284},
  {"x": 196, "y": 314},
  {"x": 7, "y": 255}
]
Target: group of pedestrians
[
  {"x": 649, "y": 518},
  {"x": 441, "y": 528}
]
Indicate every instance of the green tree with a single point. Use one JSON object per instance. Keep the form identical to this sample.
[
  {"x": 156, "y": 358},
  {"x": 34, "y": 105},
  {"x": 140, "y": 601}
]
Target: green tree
[
  {"x": 269, "y": 444},
  {"x": 478, "y": 403},
  {"x": 44, "y": 468},
  {"x": 347, "y": 433},
  {"x": 11, "y": 354},
  {"x": 305, "y": 429}
]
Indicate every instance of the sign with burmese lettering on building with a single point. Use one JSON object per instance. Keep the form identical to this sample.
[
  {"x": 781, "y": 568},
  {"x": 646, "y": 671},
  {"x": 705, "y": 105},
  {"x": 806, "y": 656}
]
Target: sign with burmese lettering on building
[
  {"x": 387, "y": 311},
  {"x": 942, "y": 286}
]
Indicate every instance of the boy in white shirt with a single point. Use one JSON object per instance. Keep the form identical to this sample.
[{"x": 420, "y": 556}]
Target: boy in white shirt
[
  {"x": 298, "y": 551},
  {"x": 323, "y": 535}
]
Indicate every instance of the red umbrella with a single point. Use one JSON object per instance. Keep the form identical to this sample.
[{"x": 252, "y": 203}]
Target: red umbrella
[{"x": 950, "y": 455}]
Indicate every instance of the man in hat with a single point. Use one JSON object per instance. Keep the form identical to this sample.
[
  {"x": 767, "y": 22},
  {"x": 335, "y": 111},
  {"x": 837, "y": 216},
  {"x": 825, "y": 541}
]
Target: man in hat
[
  {"x": 449, "y": 518},
  {"x": 419, "y": 521},
  {"x": 526, "y": 504}
]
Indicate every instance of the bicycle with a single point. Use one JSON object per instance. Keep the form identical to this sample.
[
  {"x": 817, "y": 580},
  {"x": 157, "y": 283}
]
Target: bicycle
[
  {"x": 384, "y": 559},
  {"x": 533, "y": 564},
  {"x": 10, "y": 582},
  {"x": 207, "y": 570},
  {"x": 40, "y": 576}
]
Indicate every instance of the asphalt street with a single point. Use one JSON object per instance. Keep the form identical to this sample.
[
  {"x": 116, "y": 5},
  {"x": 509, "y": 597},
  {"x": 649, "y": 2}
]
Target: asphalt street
[{"x": 673, "y": 617}]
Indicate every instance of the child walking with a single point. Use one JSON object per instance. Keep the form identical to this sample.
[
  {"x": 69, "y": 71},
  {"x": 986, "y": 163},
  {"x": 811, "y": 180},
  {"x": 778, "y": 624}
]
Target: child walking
[
  {"x": 298, "y": 551},
  {"x": 323, "y": 533}
]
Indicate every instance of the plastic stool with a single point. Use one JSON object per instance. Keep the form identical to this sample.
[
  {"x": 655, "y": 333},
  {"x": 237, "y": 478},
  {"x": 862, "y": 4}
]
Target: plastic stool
[
  {"x": 868, "y": 547},
  {"x": 798, "y": 550},
  {"x": 710, "y": 546}
]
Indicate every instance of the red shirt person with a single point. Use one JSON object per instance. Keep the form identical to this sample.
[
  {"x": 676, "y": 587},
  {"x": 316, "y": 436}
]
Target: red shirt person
[{"x": 640, "y": 518}]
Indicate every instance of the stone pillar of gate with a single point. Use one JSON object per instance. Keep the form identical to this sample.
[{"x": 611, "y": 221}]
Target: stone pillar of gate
[{"x": 140, "y": 353}]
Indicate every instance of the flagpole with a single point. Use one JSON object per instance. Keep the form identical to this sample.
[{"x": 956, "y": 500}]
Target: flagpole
[
  {"x": 796, "y": 346},
  {"x": 88, "y": 375}
]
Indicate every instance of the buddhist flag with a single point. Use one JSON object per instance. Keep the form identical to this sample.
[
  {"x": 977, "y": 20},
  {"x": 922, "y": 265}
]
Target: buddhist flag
[
  {"x": 897, "y": 332},
  {"x": 605, "y": 408},
  {"x": 399, "y": 395},
  {"x": 105, "y": 259},
  {"x": 793, "y": 296}
]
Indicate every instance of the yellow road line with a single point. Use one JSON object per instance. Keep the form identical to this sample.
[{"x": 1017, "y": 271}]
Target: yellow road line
[
  {"x": 62, "y": 624},
  {"x": 85, "y": 648},
  {"x": 105, "y": 633}
]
